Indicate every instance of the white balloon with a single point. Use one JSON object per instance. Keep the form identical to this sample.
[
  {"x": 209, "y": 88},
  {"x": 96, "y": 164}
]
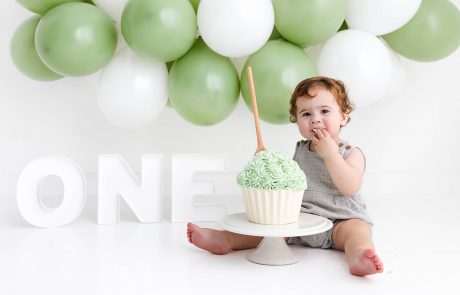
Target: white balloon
[
  {"x": 114, "y": 8},
  {"x": 235, "y": 28},
  {"x": 132, "y": 90},
  {"x": 380, "y": 17},
  {"x": 399, "y": 74},
  {"x": 361, "y": 61}
]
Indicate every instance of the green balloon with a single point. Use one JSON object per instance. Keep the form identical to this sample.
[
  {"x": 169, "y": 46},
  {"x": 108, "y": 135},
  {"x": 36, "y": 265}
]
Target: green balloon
[
  {"x": 42, "y": 6},
  {"x": 161, "y": 29},
  {"x": 309, "y": 22},
  {"x": 25, "y": 55},
  {"x": 433, "y": 33},
  {"x": 76, "y": 39},
  {"x": 203, "y": 86},
  {"x": 277, "y": 69}
]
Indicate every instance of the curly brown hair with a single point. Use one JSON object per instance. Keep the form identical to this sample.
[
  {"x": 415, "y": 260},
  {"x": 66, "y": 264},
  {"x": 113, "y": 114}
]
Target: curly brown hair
[{"x": 336, "y": 87}]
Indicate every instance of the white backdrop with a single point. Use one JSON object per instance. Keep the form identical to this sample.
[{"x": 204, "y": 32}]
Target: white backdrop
[{"x": 410, "y": 138}]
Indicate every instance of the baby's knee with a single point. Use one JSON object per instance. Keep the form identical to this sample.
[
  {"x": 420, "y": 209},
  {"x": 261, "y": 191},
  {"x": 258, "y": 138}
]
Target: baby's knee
[
  {"x": 354, "y": 223},
  {"x": 347, "y": 228}
]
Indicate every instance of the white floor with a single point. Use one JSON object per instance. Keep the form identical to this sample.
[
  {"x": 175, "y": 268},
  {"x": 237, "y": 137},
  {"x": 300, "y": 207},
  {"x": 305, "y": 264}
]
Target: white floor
[{"x": 417, "y": 239}]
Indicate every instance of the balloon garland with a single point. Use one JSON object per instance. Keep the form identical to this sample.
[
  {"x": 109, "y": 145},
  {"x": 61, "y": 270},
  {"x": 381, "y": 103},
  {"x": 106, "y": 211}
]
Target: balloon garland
[{"x": 196, "y": 40}]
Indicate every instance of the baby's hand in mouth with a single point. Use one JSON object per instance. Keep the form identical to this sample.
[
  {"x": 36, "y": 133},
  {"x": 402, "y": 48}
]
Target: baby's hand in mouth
[{"x": 315, "y": 132}]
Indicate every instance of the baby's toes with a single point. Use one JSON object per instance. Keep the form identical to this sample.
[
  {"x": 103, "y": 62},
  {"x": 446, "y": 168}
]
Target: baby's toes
[{"x": 379, "y": 265}]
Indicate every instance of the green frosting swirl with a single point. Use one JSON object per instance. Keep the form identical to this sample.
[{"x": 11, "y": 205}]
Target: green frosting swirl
[{"x": 272, "y": 171}]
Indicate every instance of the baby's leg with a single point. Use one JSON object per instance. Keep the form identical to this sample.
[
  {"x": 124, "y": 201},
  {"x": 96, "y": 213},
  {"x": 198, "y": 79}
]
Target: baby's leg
[
  {"x": 354, "y": 237},
  {"x": 219, "y": 242}
]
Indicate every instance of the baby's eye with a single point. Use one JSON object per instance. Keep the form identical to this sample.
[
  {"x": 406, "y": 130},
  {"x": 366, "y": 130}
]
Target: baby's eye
[
  {"x": 324, "y": 111},
  {"x": 305, "y": 114}
]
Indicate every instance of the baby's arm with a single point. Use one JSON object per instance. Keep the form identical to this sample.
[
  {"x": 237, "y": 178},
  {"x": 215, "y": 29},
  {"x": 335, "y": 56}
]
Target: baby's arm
[{"x": 347, "y": 174}]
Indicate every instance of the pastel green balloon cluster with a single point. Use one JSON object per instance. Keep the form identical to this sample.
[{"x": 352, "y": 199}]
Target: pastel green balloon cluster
[
  {"x": 76, "y": 39},
  {"x": 271, "y": 170},
  {"x": 24, "y": 54},
  {"x": 161, "y": 29},
  {"x": 277, "y": 67},
  {"x": 203, "y": 86},
  {"x": 433, "y": 33},
  {"x": 43, "y": 6},
  {"x": 309, "y": 22}
]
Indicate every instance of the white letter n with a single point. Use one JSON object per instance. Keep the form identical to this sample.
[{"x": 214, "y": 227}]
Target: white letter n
[{"x": 117, "y": 180}]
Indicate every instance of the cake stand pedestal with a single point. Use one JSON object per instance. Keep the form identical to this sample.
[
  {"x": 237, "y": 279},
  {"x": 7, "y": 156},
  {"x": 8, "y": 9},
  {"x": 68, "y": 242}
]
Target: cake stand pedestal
[{"x": 273, "y": 249}]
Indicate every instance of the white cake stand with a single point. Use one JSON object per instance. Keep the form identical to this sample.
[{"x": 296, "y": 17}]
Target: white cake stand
[{"x": 273, "y": 249}]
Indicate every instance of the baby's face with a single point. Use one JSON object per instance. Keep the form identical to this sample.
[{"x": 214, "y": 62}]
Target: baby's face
[{"x": 321, "y": 111}]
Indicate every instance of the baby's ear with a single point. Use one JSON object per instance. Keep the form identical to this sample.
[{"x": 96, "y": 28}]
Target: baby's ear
[{"x": 346, "y": 118}]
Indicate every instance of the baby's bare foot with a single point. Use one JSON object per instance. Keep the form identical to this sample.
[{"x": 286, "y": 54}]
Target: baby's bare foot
[
  {"x": 365, "y": 262},
  {"x": 208, "y": 239}
]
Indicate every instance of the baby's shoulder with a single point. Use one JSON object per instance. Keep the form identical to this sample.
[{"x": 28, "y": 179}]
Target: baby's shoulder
[
  {"x": 355, "y": 156},
  {"x": 356, "y": 150}
]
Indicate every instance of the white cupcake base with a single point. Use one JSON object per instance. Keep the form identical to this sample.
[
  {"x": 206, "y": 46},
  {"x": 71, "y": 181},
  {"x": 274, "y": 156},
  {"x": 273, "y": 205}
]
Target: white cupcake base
[
  {"x": 272, "y": 206},
  {"x": 273, "y": 249}
]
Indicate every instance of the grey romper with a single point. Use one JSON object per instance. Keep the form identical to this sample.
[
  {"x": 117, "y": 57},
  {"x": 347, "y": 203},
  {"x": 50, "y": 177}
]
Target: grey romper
[{"x": 322, "y": 196}]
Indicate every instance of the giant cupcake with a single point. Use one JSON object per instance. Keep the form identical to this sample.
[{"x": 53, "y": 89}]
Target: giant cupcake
[{"x": 273, "y": 187}]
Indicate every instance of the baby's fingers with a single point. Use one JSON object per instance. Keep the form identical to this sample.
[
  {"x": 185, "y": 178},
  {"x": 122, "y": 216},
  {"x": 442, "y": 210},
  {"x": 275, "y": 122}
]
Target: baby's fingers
[{"x": 321, "y": 133}]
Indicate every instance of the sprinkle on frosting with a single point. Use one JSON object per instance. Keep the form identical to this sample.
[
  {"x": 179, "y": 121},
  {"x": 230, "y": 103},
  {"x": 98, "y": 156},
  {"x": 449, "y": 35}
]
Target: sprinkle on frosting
[{"x": 272, "y": 171}]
